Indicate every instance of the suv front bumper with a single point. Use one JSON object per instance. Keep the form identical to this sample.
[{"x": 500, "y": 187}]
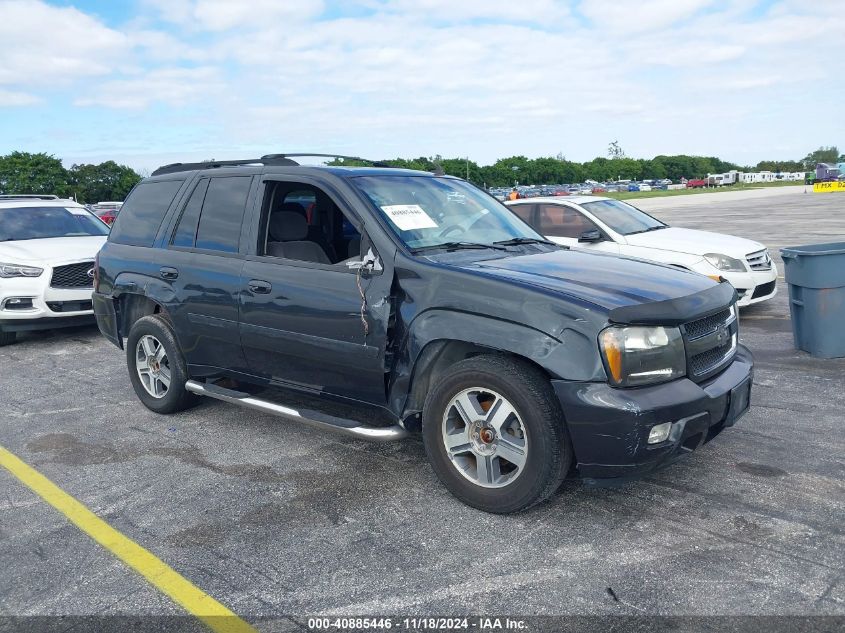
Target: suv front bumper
[{"x": 610, "y": 427}]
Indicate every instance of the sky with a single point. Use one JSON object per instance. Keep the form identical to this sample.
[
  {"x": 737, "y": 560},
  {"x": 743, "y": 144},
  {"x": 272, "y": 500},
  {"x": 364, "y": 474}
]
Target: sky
[{"x": 149, "y": 82}]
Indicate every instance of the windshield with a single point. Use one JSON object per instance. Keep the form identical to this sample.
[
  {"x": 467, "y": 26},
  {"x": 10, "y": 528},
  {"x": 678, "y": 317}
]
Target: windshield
[
  {"x": 33, "y": 223},
  {"x": 622, "y": 217},
  {"x": 425, "y": 211}
]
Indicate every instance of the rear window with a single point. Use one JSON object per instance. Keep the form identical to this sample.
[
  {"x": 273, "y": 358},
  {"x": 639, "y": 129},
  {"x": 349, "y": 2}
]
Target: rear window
[
  {"x": 222, "y": 213},
  {"x": 35, "y": 223},
  {"x": 142, "y": 213}
]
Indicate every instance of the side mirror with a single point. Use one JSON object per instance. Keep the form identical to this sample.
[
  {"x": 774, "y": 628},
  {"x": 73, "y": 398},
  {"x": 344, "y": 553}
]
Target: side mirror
[
  {"x": 369, "y": 263},
  {"x": 593, "y": 235}
]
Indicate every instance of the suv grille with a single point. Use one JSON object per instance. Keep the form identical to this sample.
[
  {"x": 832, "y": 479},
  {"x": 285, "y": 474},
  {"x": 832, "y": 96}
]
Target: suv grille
[
  {"x": 72, "y": 276},
  {"x": 759, "y": 260},
  {"x": 710, "y": 343}
]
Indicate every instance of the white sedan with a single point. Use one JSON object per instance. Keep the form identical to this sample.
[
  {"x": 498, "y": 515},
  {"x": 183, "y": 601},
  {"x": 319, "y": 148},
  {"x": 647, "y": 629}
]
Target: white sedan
[
  {"x": 47, "y": 251},
  {"x": 614, "y": 226}
]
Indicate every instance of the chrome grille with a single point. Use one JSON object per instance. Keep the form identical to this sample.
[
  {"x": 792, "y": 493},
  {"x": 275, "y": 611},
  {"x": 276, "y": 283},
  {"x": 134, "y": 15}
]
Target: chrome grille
[
  {"x": 710, "y": 343},
  {"x": 72, "y": 276},
  {"x": 759, "y": 260}
]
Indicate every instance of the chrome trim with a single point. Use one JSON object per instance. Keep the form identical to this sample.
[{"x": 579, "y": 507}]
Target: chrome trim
[
  {"x": 312, "y": 418},
  {"x": 759, "y": 260}
]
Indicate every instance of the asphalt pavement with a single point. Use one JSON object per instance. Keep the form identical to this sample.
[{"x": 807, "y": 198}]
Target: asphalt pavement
[{"x": 280, "y": 520}]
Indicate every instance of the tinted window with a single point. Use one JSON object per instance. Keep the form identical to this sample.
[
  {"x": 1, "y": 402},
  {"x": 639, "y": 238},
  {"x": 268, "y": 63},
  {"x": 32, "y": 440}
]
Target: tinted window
[
  {"x": 32, "y": 223},
  {"x": 142, "y": 213},
  {"x": 186, "y": 230},
  {"x": 560, "y": 221},
  {"x": 523, "y": 211},
  {"x": 222, "y": 214}
]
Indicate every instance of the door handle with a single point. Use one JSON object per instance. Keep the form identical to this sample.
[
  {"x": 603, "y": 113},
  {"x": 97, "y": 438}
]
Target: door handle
[
  {"x": 167, "y": 272},
  {"x": 259, "y": 286}
]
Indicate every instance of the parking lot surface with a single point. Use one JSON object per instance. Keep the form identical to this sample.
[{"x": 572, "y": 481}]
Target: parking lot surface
[{"x": 275, "y": 519}]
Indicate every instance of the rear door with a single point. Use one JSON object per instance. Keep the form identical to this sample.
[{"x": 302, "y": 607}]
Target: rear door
[{"x": 203, "y": 269}]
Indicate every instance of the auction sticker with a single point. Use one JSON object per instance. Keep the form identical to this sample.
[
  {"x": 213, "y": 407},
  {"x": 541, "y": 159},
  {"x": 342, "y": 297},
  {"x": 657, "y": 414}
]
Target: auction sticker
[{"x": 408, "y": 217}]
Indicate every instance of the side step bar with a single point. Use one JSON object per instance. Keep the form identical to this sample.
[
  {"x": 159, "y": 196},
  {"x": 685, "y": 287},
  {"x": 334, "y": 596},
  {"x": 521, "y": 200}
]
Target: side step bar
[{"x": 312, "y": 418}]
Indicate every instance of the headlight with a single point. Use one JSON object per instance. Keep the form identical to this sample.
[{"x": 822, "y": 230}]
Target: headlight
[
  {"x": 638, "y": 355},
  {"x": 16, "y": 270},
  {"x": 723, "y": 262}
]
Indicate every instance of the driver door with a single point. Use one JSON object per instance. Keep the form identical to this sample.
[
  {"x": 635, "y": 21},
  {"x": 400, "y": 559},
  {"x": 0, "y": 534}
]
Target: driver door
[{"x": 303, "y": 321}]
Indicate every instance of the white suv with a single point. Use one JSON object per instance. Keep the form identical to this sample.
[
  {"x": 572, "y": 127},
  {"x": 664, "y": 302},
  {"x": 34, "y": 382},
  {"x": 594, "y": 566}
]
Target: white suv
[
  {"x": 612, "y": 226},
  {"x": 47, "y": 251}
]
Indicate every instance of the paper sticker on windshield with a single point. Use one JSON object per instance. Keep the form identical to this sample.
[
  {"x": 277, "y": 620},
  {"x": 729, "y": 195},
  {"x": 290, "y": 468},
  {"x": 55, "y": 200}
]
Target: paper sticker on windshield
[{"x": 408, "y": 217}]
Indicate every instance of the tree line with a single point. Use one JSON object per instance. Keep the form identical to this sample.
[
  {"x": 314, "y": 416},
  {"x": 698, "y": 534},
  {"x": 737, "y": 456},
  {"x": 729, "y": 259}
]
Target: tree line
[
  {"x": 21, "y": 172},
  {"x": 617, "y": 166}
]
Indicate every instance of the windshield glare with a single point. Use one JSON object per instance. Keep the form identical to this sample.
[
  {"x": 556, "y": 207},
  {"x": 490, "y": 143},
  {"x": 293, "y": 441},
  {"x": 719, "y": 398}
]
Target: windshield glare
[
  {"x": 427, "y": 211},
  {"x": 33, "y": 223},
  {"x": 621, "y": 217}
]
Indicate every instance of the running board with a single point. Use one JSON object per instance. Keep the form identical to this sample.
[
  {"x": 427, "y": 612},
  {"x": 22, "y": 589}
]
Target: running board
[{"x": 312, "y": 418}]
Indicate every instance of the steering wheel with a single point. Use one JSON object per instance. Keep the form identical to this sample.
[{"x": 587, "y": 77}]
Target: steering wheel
[{"x": 452, "y": 228}]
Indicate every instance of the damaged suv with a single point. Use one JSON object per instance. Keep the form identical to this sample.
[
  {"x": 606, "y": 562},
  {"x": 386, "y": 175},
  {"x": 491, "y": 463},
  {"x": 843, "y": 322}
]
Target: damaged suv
[{"x": 420, "y": 297}]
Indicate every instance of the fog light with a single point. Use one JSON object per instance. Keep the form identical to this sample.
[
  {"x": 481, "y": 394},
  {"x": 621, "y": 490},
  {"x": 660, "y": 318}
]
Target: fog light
[
  {"x": 659, "y": 433},
  {"x": 17, "y": 303}
]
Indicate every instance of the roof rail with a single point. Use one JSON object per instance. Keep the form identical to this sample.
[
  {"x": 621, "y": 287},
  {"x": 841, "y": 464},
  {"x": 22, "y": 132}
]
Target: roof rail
[
  {"x": 28, "y": 196},
  {"x": 375, "y": 163},
  {"x": 267, "y": 159}
]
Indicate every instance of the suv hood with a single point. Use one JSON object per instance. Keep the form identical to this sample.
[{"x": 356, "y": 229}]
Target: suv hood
[
  {"x": 694, "y": 242},
  {"x": 605, "y": 280},
  {"x": 53, "y": 250}
]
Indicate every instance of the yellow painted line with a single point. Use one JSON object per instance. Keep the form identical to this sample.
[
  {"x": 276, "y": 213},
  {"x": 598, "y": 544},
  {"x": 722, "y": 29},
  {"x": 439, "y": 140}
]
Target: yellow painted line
[{"x": 193, "y": 599}]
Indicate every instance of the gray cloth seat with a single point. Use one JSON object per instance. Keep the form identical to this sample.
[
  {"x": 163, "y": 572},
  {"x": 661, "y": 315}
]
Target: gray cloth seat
[{"x": 289, "y": 233}]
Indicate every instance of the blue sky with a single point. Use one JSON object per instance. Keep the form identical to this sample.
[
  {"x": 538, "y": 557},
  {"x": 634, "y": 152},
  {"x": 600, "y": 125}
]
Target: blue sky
[{"x": 147, "y": 82}]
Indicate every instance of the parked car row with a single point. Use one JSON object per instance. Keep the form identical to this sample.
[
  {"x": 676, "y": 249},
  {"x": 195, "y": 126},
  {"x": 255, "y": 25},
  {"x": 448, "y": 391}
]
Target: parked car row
[
  {"x": 583, "y": 189},
  {"x": 106, "y": 211}
]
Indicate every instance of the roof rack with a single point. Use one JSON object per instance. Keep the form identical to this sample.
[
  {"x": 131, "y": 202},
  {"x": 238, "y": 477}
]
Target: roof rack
[
  {"x": 28, "y": 196},
  {"x": 267, "y": 159}
]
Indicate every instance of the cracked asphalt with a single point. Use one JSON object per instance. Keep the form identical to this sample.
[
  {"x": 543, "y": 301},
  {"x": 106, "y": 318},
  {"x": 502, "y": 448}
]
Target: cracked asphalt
[{"x": 279, "y": 520}]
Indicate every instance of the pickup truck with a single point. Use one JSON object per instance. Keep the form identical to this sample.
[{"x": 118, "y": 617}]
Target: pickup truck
[{"x": 420, "y": 296}]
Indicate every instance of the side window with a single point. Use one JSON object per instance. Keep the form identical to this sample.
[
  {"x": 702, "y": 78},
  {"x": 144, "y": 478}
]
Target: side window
[
  {"x": 301, "y": 222},
  {"x": 557, "y": 220},
  {"x": 222, "y": 213},
  {"x": 142, "y": 213},
  {"x": 523, "y": 212},
  {"x": 186, "y": 229}
]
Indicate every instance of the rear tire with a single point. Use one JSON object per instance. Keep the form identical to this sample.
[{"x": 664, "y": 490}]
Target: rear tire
[
  {"x": 156, "y": 366},
  {"x": 508, "y": 448},
  {"x": 7, "y": 338}
]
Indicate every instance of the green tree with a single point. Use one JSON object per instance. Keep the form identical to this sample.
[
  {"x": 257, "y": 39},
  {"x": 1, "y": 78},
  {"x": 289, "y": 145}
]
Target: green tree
[
  {"x": 821, "y": 155},
  {"x": 22, "y": 172},
  {"x": 106, "y": 181}
]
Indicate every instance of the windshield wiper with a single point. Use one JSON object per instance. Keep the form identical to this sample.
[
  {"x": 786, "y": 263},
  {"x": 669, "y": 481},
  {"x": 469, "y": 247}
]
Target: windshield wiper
[
  {"x": 515, "y": 241},
  {"x": 453, "y": 246},
  {"x": 651, "y": 228}
]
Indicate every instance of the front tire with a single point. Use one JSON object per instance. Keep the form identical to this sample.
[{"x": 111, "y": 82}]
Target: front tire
[
  {"x": 7, "y": 338},
  {"x": 156, "y": 366},
  {"x": 494, "y": 434}
]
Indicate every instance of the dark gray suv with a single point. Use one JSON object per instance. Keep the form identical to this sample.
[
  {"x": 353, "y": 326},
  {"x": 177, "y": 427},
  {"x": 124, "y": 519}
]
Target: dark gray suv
[{"x": 422, "y": 298}]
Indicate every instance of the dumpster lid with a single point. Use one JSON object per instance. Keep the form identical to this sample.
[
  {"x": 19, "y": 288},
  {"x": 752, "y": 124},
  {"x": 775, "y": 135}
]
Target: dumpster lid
[{"x": 831, "y": 248}]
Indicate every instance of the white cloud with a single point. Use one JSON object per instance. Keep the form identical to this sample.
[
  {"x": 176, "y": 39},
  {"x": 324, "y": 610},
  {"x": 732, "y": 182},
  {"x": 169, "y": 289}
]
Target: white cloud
[
  {"x": 426, "y": 76},
  {"x": 10, "y": 98},
  {"x": 219, "y": 15},
  {"x": 43, "y": 44},
  {"x": 172, "y": 86}
]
